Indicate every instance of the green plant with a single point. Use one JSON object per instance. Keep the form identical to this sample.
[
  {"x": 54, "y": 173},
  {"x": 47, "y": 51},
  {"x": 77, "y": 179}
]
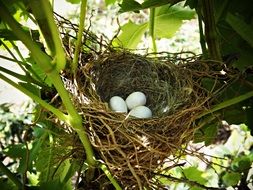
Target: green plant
[{"x": 227, "y": 32}]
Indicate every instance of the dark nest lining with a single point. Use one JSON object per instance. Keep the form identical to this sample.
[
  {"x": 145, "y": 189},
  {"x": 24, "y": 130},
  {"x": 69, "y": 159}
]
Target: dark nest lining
[{"x": 134, "y": 148}]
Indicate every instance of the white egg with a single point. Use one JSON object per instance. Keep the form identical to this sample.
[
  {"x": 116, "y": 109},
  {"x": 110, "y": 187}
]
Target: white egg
[
  {"x": 135, "y": 99},
  {"x": 118, "y": 104},
  {"x": 141, "y": 112}
]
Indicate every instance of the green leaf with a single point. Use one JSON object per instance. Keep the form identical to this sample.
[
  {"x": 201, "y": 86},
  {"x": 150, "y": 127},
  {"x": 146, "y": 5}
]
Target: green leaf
[
  {"x": 242, "y": 163},
  {"x": 131, "y": 35},
  {"x": 193, "y": 174},
  {"x": 129, "y": 5},
  {"x": 32, "y": 88},
  {"x": 206, "y": 133},
  {"x": 73, "y": 1},
  {"x": 169, "y": 19},
  {"x": 241, "y": 27},
  {"x": 158, "y": 3},
  {"x": 109, "y": 2},
  {"x": 231, "y": 178},
  {"x": 15, "y": 151},
  {"x": 7, "y": 184}
]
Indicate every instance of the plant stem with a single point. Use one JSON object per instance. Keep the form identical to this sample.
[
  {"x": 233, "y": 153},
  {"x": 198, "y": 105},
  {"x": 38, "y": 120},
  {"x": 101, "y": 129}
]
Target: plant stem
[
  {"x": 26, "y": 78},
  {"x": 210, "y": 30},
  {"x": 11, "y": 176},
  {"x": 43, "y": 12},
  {"x": 201, "y": 35},
  {"x": 228, "y": 103},
  {"x": 55, "y": 111},
  {"x": 110, "y": 177},
  {"x": 44, "y": 61},
  {"x": 152, "y": 28},
  {"x": 79, "y": 35}
]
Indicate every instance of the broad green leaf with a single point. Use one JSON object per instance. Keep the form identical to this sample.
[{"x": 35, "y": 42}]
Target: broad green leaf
[
  {"x": 129, "y": 5},
  {"x": 241, "y": 27},
  {"x": 131, "y": 35},
  {"x": 193, "y": 174},
  {"x": 169, "y": 19},
  {"x": 231, "y": 178}
]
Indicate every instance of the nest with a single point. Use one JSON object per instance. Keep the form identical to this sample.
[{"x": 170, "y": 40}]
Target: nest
[{"x": 134, "y": 148}]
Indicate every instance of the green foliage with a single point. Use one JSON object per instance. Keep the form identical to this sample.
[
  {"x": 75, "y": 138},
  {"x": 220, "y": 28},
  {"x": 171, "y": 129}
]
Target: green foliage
[
  {"x": 167, "y": 20},
  {"x": 73, "y": 1},
  {"x": 231, "y": 178},
  {"x": 131, "y": 35},
  {"x": 132, "y": 5},
  {"x": 37, "y": 150},
  {"x": 241, "y": 27},
  {"x": 194, "y": 174}
]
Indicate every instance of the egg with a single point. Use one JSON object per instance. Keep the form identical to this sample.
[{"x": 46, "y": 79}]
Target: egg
[
  {"x": 118, "y": 104},
  {"x": 135, "y": 99},
  {"x": 141, "y": 112}
]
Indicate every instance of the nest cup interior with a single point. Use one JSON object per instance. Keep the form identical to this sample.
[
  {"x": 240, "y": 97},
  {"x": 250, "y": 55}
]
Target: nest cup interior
[{"x": 121, "y": 73}]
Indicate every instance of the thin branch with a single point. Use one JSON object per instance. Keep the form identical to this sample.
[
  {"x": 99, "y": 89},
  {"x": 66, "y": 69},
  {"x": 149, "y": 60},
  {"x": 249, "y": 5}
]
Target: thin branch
[
  {"x": 110, "y": 177},
  {"x": 210, "y": 30},
  {"x": 79, "y": 35},
  {"x": 152, "y": 28}
]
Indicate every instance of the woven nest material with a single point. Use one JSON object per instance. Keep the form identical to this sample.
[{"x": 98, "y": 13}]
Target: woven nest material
[{"x": 134, "y": 148}]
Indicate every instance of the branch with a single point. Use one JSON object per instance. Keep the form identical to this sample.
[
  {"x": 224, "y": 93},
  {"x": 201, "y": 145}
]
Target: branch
[
  {"x": 152, "y": 28},
  {"x": 43, "y": 13},
  {"x": 110, "y": 177},
  {"x": 210, "y": 30},
  {"x": 79, "y": 35}
]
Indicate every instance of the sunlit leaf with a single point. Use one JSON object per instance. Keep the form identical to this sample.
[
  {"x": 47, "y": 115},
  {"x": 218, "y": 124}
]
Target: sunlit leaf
[
  {"x": 193, "y": 174},
  {"x": 169, "y": 19},
  {"x": 73, "y": 1},
  {"x": 131, "y": 35}
]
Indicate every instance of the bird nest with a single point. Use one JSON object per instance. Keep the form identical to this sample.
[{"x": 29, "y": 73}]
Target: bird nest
[{"x": 134, "y": 148}]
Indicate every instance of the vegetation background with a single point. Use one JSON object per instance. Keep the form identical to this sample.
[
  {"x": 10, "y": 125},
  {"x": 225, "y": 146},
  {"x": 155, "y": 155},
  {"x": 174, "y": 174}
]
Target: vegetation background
[{"x": 217, "y": 30}]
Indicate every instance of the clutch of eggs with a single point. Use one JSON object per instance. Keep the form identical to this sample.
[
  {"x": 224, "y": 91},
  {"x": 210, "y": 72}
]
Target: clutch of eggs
[{"x": 135, "y": 102}]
